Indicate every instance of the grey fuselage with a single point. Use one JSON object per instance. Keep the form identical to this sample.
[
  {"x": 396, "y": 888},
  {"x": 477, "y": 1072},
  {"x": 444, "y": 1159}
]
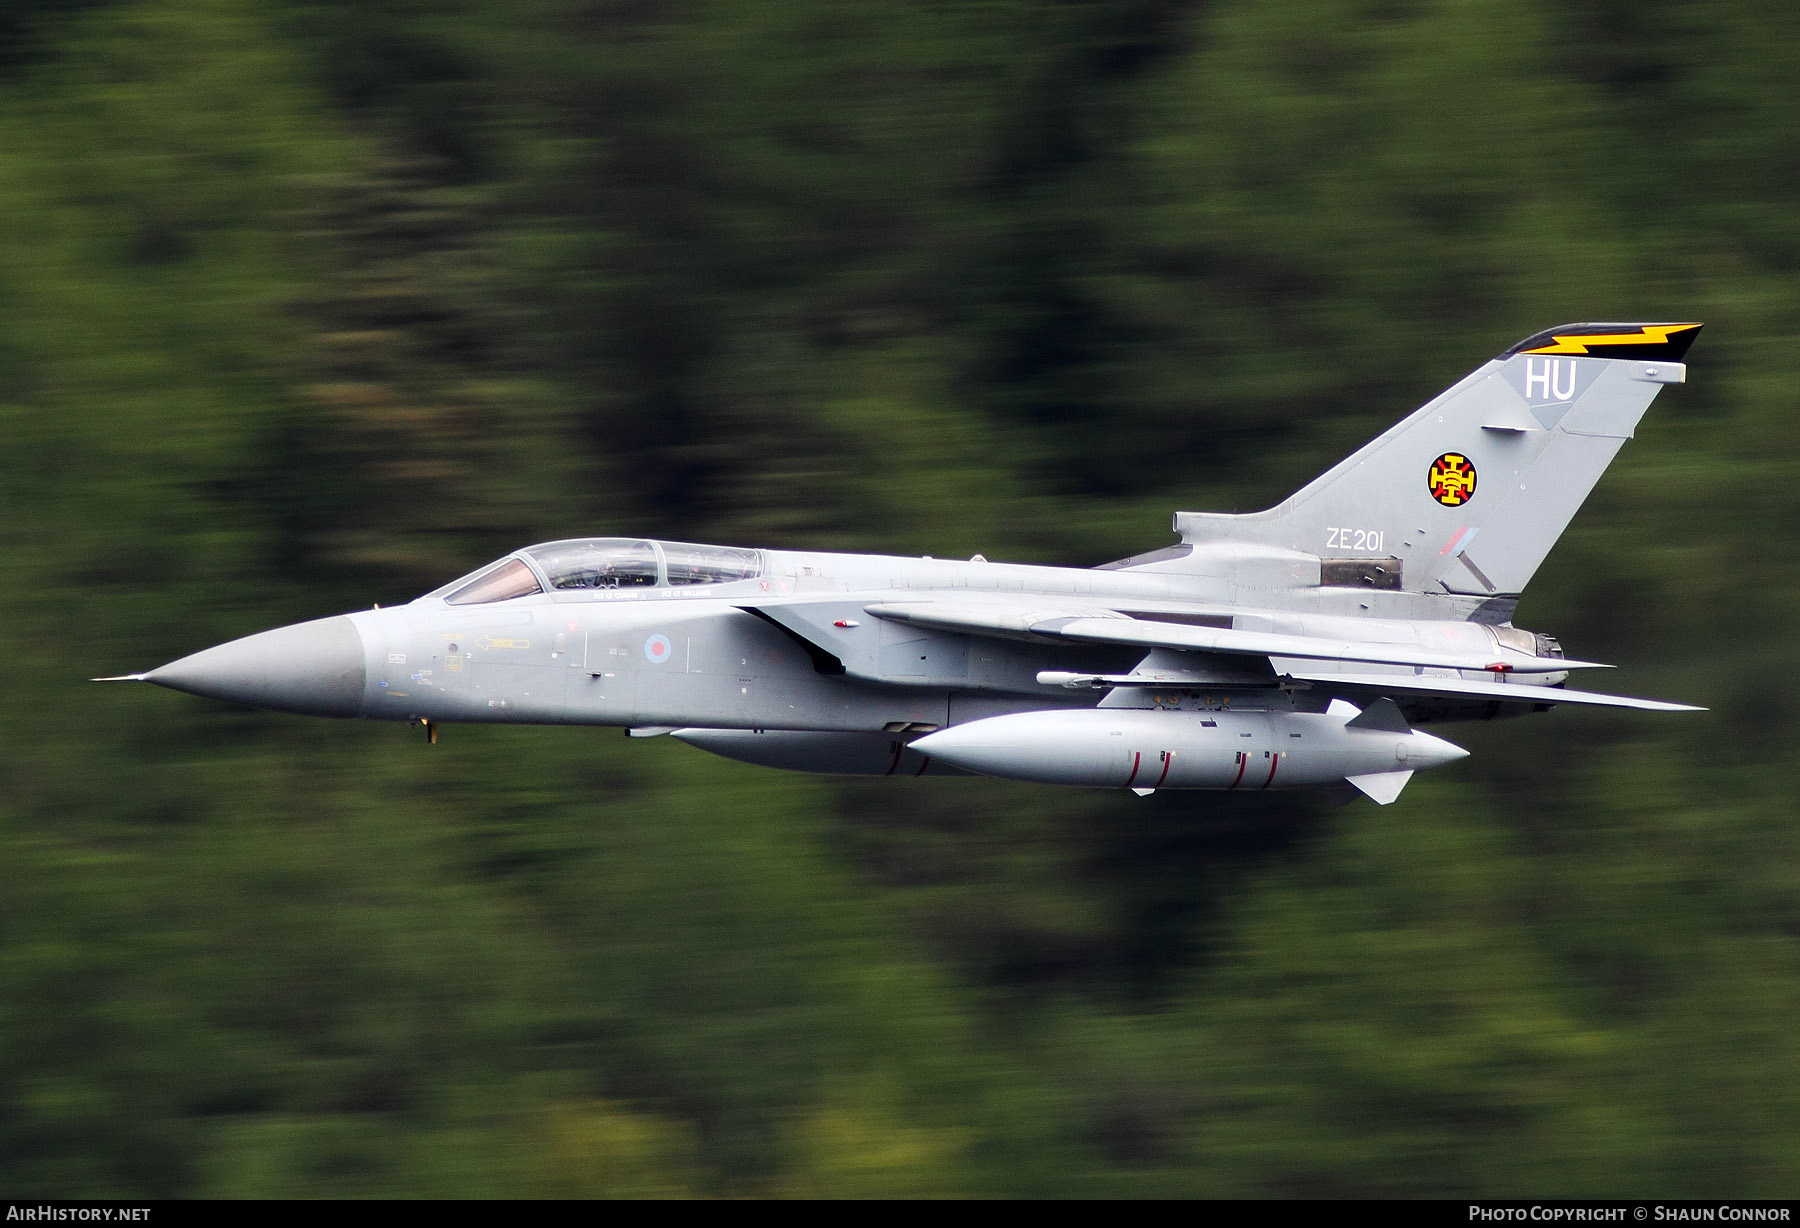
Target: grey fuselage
[
  {"x": 1293, "y": 646},
  {"x": 795, "y": 648}
]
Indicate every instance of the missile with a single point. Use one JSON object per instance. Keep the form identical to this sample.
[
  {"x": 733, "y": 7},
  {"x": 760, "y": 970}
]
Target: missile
[{"x": 1145, "y": 749}]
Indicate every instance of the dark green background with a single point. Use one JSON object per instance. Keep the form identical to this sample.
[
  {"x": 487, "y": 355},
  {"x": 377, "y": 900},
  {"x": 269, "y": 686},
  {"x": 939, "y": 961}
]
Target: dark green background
[{"x": 305, "y": 306}]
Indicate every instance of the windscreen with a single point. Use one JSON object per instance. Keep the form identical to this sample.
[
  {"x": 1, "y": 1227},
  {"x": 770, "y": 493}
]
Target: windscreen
[{"x": 510, "y": 579}]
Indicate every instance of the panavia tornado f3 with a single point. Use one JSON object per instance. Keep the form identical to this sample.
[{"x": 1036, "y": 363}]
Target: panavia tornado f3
[{"x": 1292, "y": 648}]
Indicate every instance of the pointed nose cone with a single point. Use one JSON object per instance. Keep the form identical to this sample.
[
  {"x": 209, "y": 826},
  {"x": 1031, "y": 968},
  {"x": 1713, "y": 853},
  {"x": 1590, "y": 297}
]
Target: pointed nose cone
[
  {"x": 1425, "y": 750},
  {"x": 316, "y": 668}
]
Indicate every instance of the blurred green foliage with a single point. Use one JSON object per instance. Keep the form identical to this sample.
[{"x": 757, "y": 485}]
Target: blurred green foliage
[{"x": 311, "y": 304}]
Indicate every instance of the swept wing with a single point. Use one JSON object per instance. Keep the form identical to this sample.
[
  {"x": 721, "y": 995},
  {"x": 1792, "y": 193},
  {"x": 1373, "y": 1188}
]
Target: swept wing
[
  {"x": 1110, "y": 627},
  {"x": 1280, "y": 649}
]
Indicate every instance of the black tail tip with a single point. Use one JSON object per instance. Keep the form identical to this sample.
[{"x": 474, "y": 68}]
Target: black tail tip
[{"x": 1662, "y": 342}]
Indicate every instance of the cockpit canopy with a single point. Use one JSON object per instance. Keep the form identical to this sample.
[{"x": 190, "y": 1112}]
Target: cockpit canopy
[{"x": 602, "y": 563}]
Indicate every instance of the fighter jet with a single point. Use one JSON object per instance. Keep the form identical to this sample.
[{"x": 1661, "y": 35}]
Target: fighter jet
[{"x": 1295, "y": 647}]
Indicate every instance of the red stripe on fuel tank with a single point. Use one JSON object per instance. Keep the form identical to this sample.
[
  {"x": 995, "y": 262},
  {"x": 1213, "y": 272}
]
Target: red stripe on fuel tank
[
  {"x": 1168, "y": 758},
  {"x": 1274, "y": 762},
  {"x": 1243, "y": 762},
  {"x": 1137, "y": 759},
  {"x": 923, "y": 766}
]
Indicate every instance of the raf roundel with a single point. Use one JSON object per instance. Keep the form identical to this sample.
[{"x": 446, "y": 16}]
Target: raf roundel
[
  {"x": 657, "y": 649},
  {"x": 1451, "y": 479}
]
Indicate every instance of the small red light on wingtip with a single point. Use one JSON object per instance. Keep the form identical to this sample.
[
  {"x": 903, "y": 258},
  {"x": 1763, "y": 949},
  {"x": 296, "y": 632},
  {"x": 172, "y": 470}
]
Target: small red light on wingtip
[
  {"x": 845, "y": 622},
  {"x": 1499, "y": 667}
]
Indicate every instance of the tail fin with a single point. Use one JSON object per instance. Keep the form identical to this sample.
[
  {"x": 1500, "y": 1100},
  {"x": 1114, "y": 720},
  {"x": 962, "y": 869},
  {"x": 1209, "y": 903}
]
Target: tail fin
[{"x": 1470, "y": 492}]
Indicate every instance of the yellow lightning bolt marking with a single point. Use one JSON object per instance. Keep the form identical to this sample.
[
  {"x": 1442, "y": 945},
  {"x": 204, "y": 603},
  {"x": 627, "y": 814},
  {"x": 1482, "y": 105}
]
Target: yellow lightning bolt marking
[{"x": 1651, "y": 334}]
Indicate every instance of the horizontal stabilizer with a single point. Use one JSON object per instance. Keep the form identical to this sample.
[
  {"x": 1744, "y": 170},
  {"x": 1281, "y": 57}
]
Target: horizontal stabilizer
[
  {"x": 1383, "y": 787},
  {"x": 1510, "y": 692}
]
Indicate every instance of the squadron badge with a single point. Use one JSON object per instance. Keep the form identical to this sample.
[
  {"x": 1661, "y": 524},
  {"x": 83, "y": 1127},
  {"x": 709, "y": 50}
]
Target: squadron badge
[{"x": 1451, "y": 479}]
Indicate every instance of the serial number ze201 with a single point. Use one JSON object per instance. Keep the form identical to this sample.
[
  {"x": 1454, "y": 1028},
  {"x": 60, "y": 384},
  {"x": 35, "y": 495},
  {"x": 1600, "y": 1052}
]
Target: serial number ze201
[{"x": 1354, "y": 539}]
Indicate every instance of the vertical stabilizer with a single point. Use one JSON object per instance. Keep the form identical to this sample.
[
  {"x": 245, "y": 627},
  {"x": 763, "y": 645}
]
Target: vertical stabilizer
[{"x": 1472, "y": 491}]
